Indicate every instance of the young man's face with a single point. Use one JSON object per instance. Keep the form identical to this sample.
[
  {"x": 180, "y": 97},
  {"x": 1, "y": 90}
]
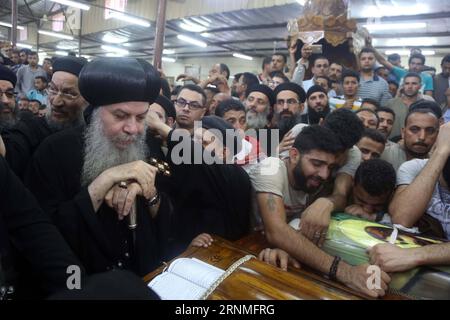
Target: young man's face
[
  {"x": 386, "y": 123},
  {"x": 33, "y": 60},
  {"x": 15, "y": 58},
  {"x": 371, "y": 204},
  {"x": 323, "y": 83},
  {"x": 350, "y": 86},
  {"x": 39, "y": 84},
  {"x": 188, "y": 114},
  {"x": 368, "y": 119},
  {"x": 23, "y": 57},
  {"x": 416, "y": 65},
  {"x": 318, "y": 101},
  {"x": 370, "y": 149},
  {"x": 236, "y": 118},
  {"x": 383, "y": 73},
  {"x": 445, "y": 69},
  {"x": 312, "y": 169},
  {"x": 393, "y": 89},
  {"x": 335, "y": 72},
  {"x": 420, "y": 133},
  {"x": 277, "y": 63},
  {"x": 411, "y": 86},
  {"x": 320, "y": 67},
  {"x": 367, "y": 61}
]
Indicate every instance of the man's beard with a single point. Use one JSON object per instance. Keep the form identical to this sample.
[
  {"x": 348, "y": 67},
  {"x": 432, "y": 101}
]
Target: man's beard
[
  {"x": 286, "y": 120},
  {"x": 61, "y": 125},
  {"x": 100, "y": 152},
  {"x": 301, "y": 181},
  {"x": 315, "y": 116},
  {"x": 257, "y": 120},
  {"x": 7, "y": 120}
]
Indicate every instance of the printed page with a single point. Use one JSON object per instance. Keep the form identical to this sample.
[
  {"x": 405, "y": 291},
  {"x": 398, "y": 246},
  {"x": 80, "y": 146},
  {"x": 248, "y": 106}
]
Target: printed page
[
  {"x": 169, "y": 286},
  {"x": 196, "y": 271}
]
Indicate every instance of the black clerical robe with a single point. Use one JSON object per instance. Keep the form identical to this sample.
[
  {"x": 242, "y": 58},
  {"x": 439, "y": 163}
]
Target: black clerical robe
[
  {"x": 28, "y": 233},
  {"x": 99, "y": 239},
  {"x": 22, "y": 140},
  {"x": 215, "y": 199}
]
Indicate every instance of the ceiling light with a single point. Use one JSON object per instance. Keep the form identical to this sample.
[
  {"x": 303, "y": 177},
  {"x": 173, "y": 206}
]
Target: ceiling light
[
  {"x": 168, "y": 51},
  {"x": 116, "y": 50},
  {"x": 192, "y": 41},
  {"x": 55, "y": 34},
  {"x": 72, "y": 4},
  {"x": 126, "y": 44},
  {"x": 9, "y": 25},
  {"x": 167, "y": 59},
  {"x": 242, "y": 56},
  {"x": 191, "y": 27},
  {"x": 412, "y": 42},
  {"x": 407, "y": 52},
  {"x": 115, "y": 55},
  {"x": 61, "y": 53},
  {"x": 24, "y": 45},
  {"x": 395, "y": 26},
  {"x": 123, "y": 17},
  {"x": 201, "y": 21},
  {"x": 206, "y": 35},
  {"x": 112, "y": 38},
  {"x": 66, "y": 46}
]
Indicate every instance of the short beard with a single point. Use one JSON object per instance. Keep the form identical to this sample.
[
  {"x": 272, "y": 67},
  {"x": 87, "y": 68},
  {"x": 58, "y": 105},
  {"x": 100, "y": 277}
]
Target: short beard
[
  {"x": 257, "y": 120},
  {"x": 100, "y": 153},
  {"x": 301, "y": 180},
  {"x": 58, "y": 125}
]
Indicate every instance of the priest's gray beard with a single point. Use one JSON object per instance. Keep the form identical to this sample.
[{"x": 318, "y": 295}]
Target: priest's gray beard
[
  {"x": 100, "y": 153},
  {"x": 257, "y": 120}
]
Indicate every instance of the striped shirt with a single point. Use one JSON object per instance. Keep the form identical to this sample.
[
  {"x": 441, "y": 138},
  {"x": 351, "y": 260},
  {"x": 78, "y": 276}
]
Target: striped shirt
[{"x": 375, "y": 88}]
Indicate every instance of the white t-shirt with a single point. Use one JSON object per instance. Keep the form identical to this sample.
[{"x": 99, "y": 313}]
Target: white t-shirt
[
  {"x": 439, "y": 205},
  {"x": 271, "y": 176},
  {"x": 350, "y": 166}
]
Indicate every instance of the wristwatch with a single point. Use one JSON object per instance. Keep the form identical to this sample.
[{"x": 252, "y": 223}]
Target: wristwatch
[{"x": 154, "y": 200}]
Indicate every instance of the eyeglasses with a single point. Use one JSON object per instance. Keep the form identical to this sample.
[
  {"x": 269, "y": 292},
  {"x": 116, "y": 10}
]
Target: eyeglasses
[
  {"x": 66, "y": 96},
  {"x": 192, "y": 105},
  {"x": 10, "y": 94},
  {"x": 290, "y": 102}
]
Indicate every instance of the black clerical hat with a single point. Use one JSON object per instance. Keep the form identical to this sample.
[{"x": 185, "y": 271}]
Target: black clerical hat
[
  {"x": 105, "y": 81},
  {"x": 7, "y": 75},
  {"x": 69, "y": 64}
]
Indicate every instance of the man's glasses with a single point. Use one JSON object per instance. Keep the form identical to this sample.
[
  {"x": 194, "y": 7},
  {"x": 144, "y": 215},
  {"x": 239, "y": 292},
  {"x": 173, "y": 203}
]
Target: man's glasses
[
  {"x": 8, "y": 93},
  {"x": 67, "y": 96},
  {"x": 192, "y": 105},
  {"x": 290, "y": 102}
]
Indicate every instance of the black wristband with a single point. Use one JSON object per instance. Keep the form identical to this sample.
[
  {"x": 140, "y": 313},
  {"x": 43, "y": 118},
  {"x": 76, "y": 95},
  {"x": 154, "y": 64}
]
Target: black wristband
[{"x": 333, "y": 268}]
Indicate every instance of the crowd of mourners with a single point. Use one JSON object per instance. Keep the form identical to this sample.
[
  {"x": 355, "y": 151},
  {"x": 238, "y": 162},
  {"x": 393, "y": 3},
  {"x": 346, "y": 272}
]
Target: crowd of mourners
[{"x": 83, "y": 181}]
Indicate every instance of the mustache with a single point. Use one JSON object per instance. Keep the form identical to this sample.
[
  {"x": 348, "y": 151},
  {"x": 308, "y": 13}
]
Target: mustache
[{"x": 420, "y": 144}]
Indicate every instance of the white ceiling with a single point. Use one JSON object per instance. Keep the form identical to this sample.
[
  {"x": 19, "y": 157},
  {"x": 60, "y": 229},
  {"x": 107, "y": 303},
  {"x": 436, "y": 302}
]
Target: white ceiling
[{"x": 259, "y": 32}]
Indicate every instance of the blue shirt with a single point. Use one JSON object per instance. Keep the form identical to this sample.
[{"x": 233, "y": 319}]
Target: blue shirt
[
  {"x": 427, "y": 80},
  {"x": 38, "y": 95}
]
